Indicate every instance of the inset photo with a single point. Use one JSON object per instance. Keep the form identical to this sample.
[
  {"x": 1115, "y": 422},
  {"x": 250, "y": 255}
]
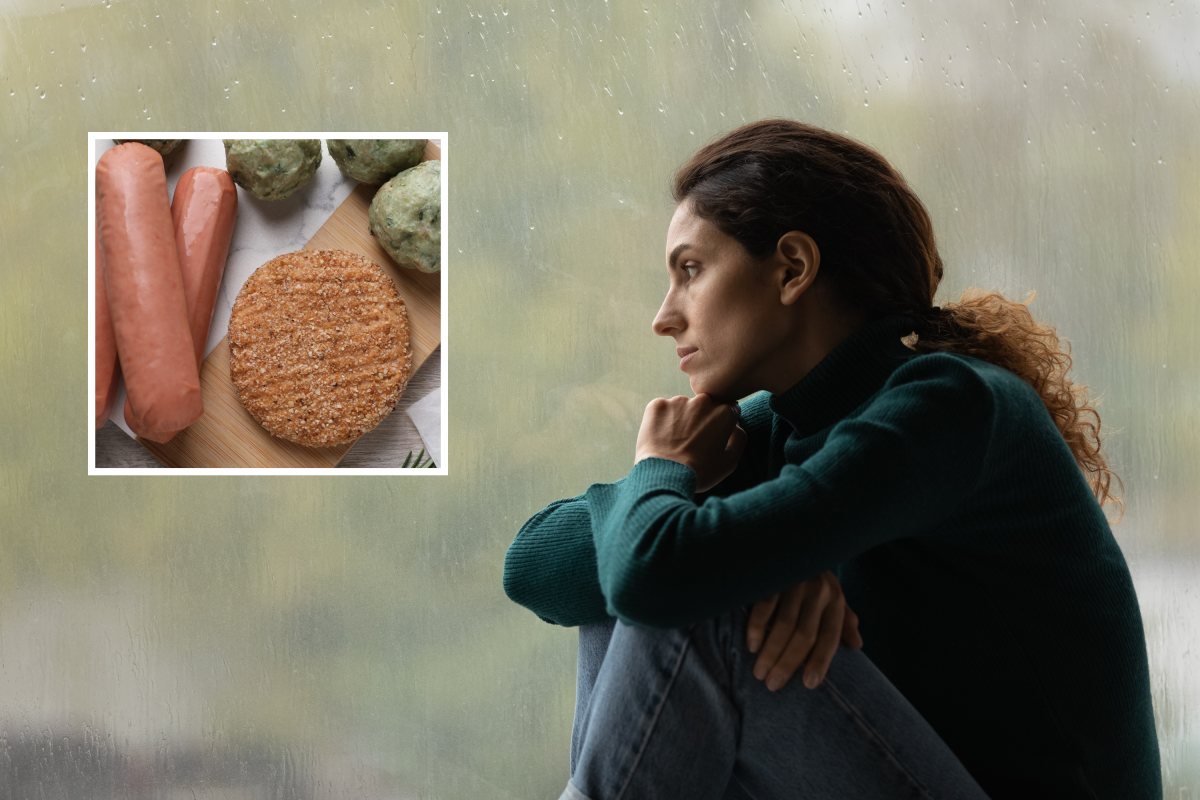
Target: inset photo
[{"x": 267, "y": 305}]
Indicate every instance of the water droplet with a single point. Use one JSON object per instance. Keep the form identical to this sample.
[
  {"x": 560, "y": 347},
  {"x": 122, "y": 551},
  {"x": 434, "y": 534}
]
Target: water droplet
[
  {"x": 283, "y": 110},
  {"x": 389, "y": 47},
  {"x": 12, "y": 92},
  {"x": 83, "y": 47},
  {"x": 619, "y": 111},
  {"x": 81, "y": 97},
  {"x": 214, "y": 41},
  {"x": 1133, "y": 143}
]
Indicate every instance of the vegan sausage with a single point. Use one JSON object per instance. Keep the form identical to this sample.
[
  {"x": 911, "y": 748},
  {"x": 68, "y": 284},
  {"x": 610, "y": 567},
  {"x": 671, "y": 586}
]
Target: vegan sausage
[
  {"x": 203, "y": 212},
  {"x": 108, "y": 369},
  {"x": 145, "y": 292}
]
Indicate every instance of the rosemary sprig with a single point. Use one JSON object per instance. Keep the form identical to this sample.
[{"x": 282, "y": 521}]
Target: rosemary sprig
[{"x": 417, "y": 464}]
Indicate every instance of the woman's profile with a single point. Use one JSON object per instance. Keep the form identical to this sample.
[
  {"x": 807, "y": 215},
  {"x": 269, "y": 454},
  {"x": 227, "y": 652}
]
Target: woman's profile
[{"x": 927, "y": 477}]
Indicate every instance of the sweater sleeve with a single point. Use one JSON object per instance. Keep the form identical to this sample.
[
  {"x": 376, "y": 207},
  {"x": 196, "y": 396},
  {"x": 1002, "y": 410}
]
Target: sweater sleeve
[
  {"x": 898, "y": 468},
  {"x": 550, "y": 567}
]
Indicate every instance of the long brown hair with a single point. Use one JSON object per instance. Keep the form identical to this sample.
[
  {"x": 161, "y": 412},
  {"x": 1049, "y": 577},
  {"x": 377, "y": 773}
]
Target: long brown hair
[{"x": 879, "y": 254}]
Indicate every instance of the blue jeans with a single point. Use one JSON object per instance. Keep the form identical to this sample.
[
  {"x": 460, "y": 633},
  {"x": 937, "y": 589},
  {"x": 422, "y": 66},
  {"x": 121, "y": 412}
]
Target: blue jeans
[{"x": 679, "y": 714}]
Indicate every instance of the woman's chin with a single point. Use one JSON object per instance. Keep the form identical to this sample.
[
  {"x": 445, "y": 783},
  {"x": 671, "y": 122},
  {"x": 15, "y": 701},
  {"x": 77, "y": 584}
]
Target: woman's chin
[{"x": 717, "y": 390}]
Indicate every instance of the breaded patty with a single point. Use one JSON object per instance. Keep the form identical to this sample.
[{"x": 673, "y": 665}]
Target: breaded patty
[{"x": 319, "y": 346}]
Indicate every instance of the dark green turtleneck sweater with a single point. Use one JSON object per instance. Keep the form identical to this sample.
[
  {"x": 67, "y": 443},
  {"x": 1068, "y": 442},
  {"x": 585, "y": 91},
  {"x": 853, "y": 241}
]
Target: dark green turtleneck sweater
[{"x": 986, "y": 579}]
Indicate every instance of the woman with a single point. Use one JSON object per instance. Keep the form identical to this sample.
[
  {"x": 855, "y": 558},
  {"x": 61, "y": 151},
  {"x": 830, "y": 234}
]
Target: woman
[{"x": 953, "y": 480}]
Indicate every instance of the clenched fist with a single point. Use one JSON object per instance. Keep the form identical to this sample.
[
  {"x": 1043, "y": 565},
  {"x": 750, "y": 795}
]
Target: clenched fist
[{"x": 698, "y": 432}]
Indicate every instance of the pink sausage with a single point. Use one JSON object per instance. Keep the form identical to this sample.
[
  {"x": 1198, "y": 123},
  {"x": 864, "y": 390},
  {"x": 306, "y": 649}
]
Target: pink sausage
[
  {"x": 203, "y": 212},
  {"x": 108, "y": 369},
  {"x": 145, "y": 292}
]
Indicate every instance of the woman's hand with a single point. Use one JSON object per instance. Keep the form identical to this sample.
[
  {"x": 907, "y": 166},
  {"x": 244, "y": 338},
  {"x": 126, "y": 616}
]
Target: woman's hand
[
  {"x": 698, "y": 432},
  {"x": 807, "y": 621}
]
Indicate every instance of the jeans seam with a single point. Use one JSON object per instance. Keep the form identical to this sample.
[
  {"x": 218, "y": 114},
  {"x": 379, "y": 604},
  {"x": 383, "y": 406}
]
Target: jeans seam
[
  {"x": 874, "y": 735},
  {"x": 654, "y": 720}
]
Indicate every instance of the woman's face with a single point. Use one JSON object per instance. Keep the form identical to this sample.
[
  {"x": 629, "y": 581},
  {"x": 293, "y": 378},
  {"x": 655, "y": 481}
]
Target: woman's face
[{"x": 722, "y": 309}]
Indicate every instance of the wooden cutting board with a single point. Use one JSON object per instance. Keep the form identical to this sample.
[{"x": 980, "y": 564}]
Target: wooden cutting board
[{"x": 227, "y": 436}]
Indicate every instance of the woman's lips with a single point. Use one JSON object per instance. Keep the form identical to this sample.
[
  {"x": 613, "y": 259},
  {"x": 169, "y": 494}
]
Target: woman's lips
[{"x": 685, "y": 355}]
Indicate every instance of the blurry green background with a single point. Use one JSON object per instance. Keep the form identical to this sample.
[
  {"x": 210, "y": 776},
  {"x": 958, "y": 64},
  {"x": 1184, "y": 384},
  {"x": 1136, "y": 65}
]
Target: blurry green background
[{"x": 326, "y": 637}]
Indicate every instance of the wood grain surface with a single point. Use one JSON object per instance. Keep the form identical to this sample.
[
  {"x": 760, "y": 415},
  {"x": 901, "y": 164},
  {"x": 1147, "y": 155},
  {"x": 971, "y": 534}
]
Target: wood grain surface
[{"x": 227, "y": 436}]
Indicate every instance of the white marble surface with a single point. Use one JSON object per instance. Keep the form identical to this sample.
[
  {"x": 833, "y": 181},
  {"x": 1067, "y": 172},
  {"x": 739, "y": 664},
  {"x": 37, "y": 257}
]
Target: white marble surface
[{"x": 264, "y": 228}]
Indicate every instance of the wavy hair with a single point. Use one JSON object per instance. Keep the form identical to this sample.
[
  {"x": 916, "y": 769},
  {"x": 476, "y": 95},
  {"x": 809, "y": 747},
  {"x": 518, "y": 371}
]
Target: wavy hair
[{"x": 879, "y": 254}]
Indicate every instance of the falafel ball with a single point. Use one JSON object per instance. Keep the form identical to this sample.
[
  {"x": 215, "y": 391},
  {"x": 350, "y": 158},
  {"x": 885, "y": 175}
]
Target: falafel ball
[
  {"x": 163, "y": 146},
  {"x": 272, "y": 169},
  {"x": 406, "y": 217},
  {"x": 375, "y": 160}
]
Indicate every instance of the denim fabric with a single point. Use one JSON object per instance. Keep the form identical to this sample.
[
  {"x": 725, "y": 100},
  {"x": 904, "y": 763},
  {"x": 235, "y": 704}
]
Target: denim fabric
[{"x": 679, "y": 714}]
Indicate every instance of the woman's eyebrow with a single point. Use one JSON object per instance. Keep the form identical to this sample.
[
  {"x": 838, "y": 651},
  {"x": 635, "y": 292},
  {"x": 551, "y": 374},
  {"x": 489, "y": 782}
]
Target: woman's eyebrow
[{"x": 675, "y": 254}]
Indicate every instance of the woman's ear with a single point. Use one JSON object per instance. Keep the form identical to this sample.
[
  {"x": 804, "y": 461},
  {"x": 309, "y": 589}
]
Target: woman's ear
[{"x": 799, "y": 260}]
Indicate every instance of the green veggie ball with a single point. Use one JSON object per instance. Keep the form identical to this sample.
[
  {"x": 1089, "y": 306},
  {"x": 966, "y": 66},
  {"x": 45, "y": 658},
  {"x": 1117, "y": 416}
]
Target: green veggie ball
[
  {"x": 375, "y": 160},
  {"x": 163, "y": 146},
  {"x": 406, "y": 217},
  {"x": 271, "y": 169}
]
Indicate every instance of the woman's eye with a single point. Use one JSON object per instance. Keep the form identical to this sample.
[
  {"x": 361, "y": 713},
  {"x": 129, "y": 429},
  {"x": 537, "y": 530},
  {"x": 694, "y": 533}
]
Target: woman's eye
[{"x": 691, "y": 270}]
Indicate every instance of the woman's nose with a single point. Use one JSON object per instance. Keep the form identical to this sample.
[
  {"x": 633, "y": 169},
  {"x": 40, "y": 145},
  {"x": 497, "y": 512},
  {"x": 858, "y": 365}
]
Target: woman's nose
[{"x": 668, "y": 321}]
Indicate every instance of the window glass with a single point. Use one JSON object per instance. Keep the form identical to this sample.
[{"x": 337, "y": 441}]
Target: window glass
[{"x": 326, "y": 637}]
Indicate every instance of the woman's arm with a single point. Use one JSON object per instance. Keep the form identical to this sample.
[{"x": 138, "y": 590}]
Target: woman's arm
[
  {"x": 550, "y": 567},
  {"x": 898, "y": 468}
]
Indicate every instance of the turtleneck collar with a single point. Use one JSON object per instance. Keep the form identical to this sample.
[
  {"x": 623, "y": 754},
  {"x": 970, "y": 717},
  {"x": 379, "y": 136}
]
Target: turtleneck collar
[{"x": 843, "y": 380}]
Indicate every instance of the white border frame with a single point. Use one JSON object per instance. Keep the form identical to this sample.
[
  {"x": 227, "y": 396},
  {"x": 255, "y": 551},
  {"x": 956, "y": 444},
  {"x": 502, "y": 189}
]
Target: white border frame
[{"x": 442, "y": 469}]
